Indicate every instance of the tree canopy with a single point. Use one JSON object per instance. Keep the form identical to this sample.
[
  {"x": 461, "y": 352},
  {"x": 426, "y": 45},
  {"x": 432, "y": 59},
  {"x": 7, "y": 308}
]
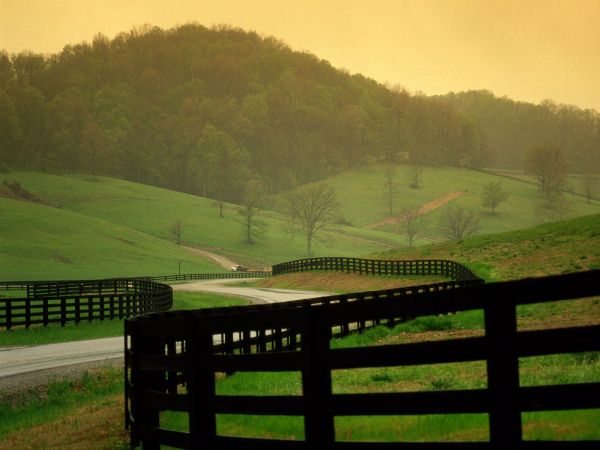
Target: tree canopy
[{"x": 201, "y": 110}]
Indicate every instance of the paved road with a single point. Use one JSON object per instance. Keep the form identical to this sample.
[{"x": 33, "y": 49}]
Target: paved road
[
  {"x": 255, "y": 295},
  {"x": 22, "y": 360}
]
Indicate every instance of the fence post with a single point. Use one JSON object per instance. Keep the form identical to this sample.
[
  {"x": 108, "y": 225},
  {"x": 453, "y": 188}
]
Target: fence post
[
  {"x": 8, "y": 306},
  {"x": 319, "y": 428},
  {"x": 63, "y": 311},
  {"x": 143, "y": 381},
  {"x": 201, "y": 389},
  {"x": 503, "y": 373}
]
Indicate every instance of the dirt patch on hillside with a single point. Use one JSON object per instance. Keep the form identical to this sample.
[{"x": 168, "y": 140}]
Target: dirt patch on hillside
[
  {"x": 62, "y": 259},
  {"x": 427, "y": 207}
]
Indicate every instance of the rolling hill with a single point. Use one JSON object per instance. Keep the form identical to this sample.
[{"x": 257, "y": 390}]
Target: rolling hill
[{"x": 140, "y": 214}]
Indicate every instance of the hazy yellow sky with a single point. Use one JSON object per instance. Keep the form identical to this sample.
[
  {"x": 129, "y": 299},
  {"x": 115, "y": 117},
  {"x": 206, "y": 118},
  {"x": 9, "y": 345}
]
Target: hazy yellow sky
[{"x": 526, "y": 49}]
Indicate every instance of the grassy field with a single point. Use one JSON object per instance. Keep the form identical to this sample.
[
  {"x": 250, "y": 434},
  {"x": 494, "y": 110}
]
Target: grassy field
[
  {"x": 553, "y": 248},
  {"x": 41, "y": 242},
  {"x": 116, "y": 224},
  {"x": 361, "y": 194},
  {"x": 152, "y": 211},
  {"x": 88, "y": 412}
]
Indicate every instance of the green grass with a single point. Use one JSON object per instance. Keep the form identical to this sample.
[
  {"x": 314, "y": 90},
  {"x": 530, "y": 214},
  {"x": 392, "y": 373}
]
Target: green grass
[
  {"x": 361, "y": 196},
  {"x": 38, "y": 335},
  {"x": 552, "y": 248},
  {"x": 152, "y": 211},
  {"x": 30, "y": 408},
  {"x": 39, "y": 242}
]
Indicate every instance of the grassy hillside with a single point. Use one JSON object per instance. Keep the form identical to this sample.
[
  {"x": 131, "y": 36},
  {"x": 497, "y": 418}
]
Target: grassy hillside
[
  {"x": 361, "y": 193},
  {"x": 553, "y": 248},
  {"x": 152, "y": 211},
  {"x": 41, "y": 242}
]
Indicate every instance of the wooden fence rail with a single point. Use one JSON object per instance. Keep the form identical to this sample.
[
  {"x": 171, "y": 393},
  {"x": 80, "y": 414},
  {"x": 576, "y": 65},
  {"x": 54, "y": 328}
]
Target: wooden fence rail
[
  {"x": 171, "y": 359},
  {"x": 83, "y": 301},
  {"x": 442, "y": 267}
]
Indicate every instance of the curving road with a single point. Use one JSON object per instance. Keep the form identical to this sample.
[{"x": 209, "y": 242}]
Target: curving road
[
  {"x": 255, "y": 295},
  {"x": 16, "y": 361}
]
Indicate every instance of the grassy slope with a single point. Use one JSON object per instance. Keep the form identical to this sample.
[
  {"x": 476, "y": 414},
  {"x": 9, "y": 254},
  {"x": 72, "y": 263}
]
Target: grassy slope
[
  {"x": 153, "y": 210},
  {"x": 362, "y": 198},
  {"x": 552, "y": 248},
  {"x": 41, "y": 242}
]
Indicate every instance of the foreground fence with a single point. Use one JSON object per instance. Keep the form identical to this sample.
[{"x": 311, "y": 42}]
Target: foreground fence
[
  {"x": 172, "y": 358},
  {"x": 440, "y": 267},
  {"x": 83, "y": 300}
]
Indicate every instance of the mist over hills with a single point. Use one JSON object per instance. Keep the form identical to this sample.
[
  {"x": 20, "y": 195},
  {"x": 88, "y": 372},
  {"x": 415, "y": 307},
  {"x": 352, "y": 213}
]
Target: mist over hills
[{"x": 181, "y": 108}]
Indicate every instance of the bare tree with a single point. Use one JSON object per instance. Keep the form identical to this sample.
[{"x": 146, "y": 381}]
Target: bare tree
[
  {"x": 590, "y": 182},
  {"x": 310, "y": 209},
  {"x": 176, "y": 230},
  {"x": 415, "y": 174},
  {"x": 411, "y": 222},
  {"x": 548, "y": 165},
  {"x": 493, "y": 194},
  {"x": 390, "y": 187},
  {"x": 457, "y": 223},
  {"x": 554, "y": 208},
  {"x": 253, "y": 199}
]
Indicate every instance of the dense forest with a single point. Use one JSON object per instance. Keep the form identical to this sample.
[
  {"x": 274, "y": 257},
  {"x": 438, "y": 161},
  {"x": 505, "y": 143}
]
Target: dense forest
[
  {"x": 511, "y": 126},
  {"x": 204, "y": 110}
]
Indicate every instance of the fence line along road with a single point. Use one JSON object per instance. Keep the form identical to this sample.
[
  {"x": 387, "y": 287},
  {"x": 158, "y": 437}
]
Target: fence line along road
[
  {"x": 79, "y": 301},
  {"x": 171, "y": 360}
]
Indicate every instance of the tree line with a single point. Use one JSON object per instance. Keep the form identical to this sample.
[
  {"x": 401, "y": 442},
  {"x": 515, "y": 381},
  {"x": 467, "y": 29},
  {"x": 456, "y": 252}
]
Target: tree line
[
  {"x": 203, "y": 110},
  {"x": 512, "y": 127}
]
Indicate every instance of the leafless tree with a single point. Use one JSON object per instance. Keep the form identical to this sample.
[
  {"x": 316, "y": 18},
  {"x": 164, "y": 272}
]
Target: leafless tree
[
  {"x": 456, "y": 223},
  {"x": 253, "y": 200},
  {"x": 176, "y": 230},
  {"x": 310, "y": 208},
  {"x": 411, "y": 222},
  {"x": 590, "y": 182},
  {"x": 390, "y": 187},
  {"x": 493, "y": 194},
  {"x": 415, "y": 174}
]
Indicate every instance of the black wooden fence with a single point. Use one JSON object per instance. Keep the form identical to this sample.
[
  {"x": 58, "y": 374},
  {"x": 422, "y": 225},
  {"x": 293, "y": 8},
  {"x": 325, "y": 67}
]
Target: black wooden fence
[
  {"x": 441, "y": 267},
  {"x": 171, "y": 360},
  {"x": 83, "y": 301},
  {"x": 63, "y": 301}
]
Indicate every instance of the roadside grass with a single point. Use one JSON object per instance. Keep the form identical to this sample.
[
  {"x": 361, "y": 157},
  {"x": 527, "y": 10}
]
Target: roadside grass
[
  {"x": 38, "y": 335},
  {"x": 152, "y": 212},
  {"x": 80, "y": 414}
]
